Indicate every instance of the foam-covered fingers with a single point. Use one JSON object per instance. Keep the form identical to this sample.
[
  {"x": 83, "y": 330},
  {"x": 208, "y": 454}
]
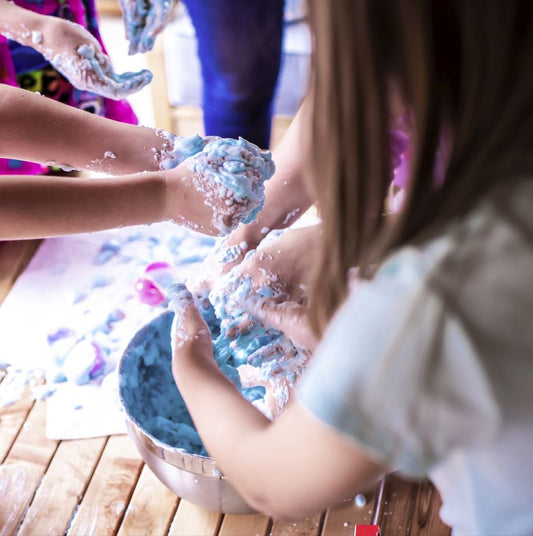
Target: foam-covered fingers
[
  {"x": 144, "y": 21},
  {"x": 188, "y": 324},
  {"x": 156, "y": 20},
  {"x": 134, "y": 15},
  {"x": 290, "y": 318},
  {"x": 103, "y": 79}
]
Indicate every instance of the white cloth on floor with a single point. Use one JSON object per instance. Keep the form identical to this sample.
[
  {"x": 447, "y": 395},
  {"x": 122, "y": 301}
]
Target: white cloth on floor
[{"x": 82, "y": 287}]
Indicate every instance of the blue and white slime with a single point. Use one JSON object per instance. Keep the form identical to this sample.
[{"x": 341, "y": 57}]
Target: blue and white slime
[
  {"x": 229, "y": 172},
  {"x": 266, "y": 359}
]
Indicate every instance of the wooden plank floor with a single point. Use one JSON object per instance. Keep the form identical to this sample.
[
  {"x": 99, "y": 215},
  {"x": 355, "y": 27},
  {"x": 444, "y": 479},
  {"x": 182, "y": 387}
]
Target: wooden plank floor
[{"x": 101, "y": 486}]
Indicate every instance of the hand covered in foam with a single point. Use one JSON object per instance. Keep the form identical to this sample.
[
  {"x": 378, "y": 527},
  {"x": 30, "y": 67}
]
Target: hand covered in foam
[
  {"x": 190, "y": 334},
  {"x": 76, "y": 54},
  {"x": 228, "y": 176},
  {"x": 219, "y": 262},
  {"x": 144, "y": 20},
  {"x": 270, "y": 284},
  {"x": 178, "y": 148},
  {"x": 276, "y": 272}
]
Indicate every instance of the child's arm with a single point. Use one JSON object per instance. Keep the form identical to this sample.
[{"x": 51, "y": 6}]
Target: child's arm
[
  {"x": 39, "y": 207},
  {"x": 39, "y": 129},
  {"x": 71, "y": 49},
  {"x": 287, "y": 195},
  {"x": 299, "y": 464}
]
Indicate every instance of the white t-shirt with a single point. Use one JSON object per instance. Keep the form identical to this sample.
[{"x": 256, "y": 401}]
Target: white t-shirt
[{"x": 429, "y": 366}]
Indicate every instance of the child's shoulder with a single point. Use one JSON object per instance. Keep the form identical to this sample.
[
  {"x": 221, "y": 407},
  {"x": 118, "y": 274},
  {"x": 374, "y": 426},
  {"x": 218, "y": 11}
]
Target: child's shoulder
[{"x": 495, "y": 237}]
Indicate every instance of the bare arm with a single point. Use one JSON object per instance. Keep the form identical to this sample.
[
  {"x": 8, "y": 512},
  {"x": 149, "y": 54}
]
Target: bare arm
[
  {"x": 299, "y": 464},
  {"x": 39, "y": 207},
  {"x": 199, "y": 193},
  {"x": 287, "y": 196},
  {"x": 38, "y": 129}
]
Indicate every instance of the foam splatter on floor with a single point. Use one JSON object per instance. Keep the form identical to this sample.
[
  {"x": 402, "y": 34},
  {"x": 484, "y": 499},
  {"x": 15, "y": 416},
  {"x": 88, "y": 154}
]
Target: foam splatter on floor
[{"x": 73, "y": 311}]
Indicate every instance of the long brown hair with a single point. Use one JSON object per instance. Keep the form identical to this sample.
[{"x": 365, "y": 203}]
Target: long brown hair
[{"x": 460, "y": 65}]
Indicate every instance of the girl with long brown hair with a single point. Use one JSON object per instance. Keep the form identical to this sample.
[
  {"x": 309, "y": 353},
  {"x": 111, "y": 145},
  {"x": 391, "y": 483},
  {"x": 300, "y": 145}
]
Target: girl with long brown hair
[{"x": 424, "y": 365}]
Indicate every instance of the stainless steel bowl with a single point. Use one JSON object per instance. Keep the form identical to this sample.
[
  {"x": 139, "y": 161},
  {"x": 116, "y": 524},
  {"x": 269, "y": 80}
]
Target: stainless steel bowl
[{"x": 193, "y": 477}]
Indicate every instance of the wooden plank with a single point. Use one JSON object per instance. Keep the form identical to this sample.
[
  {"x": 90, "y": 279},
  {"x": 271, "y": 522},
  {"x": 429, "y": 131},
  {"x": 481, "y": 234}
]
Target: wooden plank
[
  {"x": 18, "y": 481},
  {"x": 108, "y": 8},
  {"x": 14, "y": 256},
  {"x": 426, "y": 519},
  {"x": 151, "y": 508},
  {"x": 244, "y": 525},
  {"x": 310, "y": 526},
  {"x": 62, "y": 486},
  {"x": 341, "y": 519},
  {"x": 23, "y": 469},
  {"x": 102, "y": 508},
  {"x": 11, "y": 421},
  {"x": 191, "y": 520},
  {"x": 397, "y": 506},
  {"x": 186, "y": 120},
  {"x": 155, "y": 60},
  {"x": 31, "y": 444}
]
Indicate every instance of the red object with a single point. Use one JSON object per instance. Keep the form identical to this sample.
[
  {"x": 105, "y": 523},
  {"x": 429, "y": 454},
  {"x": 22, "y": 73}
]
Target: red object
[{"x": 367, "y": 530}]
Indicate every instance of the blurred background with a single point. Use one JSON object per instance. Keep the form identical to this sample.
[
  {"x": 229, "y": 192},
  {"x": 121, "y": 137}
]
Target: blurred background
[{"x": 173, "y": 100}]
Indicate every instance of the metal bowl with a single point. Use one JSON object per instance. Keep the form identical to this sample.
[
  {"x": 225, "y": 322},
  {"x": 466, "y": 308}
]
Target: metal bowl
[{"x": 193, "y": 477}]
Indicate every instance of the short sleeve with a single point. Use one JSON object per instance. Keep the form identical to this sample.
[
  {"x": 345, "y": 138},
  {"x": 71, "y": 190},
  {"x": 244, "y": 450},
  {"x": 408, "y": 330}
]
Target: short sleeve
[{"x": 399, "y": 373}]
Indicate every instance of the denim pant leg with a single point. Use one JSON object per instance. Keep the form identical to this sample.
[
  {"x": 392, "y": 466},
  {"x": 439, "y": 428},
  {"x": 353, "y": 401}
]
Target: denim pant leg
[{"x": 239, "y": 45}]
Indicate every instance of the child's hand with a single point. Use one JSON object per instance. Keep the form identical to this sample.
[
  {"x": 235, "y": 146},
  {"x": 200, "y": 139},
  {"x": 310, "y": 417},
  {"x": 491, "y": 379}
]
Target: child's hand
[
  {"x": 144, "y": 20},
  {"x": 222, "y": 258},
  {"x": 221, "y": 185},
  {"x": 190, "y": 335},
  {"x": 76, "y": 54},
  {"x": 270, "y": 284},
  {"x": 291, "y": 319}
]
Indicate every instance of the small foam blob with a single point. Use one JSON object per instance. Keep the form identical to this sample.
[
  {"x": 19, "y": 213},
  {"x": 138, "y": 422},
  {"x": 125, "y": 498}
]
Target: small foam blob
[
  {"x": 99, "y": 281},
  {"x": 360, "y": 500},
  {"x": 83, "y": 362},
  {"x": 107, "y": 251},
  {"x": 36, "y": 37}
]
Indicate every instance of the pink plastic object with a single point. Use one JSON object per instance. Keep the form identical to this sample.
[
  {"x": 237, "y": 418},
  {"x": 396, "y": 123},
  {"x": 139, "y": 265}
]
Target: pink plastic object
[
  {"x": 151, "y": 288},
  {"x": 160, "y": 273},
  {"x": 149, "y": 292}
]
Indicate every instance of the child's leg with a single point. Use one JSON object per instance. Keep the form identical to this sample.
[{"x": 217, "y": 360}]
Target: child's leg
[{"x": 239, "y": 45}]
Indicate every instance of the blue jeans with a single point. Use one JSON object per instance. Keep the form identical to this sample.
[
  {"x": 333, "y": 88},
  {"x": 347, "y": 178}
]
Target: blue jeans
[{"x": 239, "y": 46}]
